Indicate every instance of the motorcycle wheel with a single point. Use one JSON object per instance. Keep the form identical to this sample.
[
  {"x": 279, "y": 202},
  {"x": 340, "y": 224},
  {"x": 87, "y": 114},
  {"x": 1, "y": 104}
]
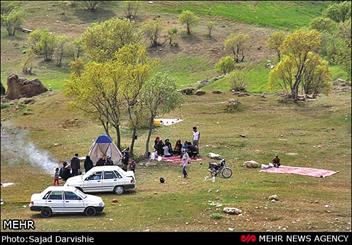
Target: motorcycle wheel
[{"x": 226, "y": 173}]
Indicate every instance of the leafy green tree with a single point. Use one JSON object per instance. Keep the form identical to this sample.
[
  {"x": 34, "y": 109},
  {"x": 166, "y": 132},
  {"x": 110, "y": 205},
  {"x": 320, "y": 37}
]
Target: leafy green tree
[
  {"x": 136, "y": 66},
  {"x": 102, "y": 40},
  {"x": 275, "y": 41},
  {"x": 43, "y": 42},
  {"x": 152, "y": 29},
  {"x": 237, "y": 81},
  {"x": 12, "y": 20},
  {"x": 171, "y": 36},
  {"x": 300, "y": 49},
  {"x": 90, "y": 5},
  {"x": 189, "y": 18},
  {"x": 225, "y": 65},
  {"x": 86, "y": 93},
  {"x": 210, "y": 26},
  {"x": 237, "y": 44},
  {"x": 131, "y": 9},
  {"x": 323, "y": 24},
  {"x": 338, "y": 12},
  {"x": 160, "y": 96},
  {"x": 60, "y": 49}
]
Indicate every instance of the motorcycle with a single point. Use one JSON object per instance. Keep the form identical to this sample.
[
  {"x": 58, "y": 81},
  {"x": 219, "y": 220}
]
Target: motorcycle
[{"x": 220, "y": 168}]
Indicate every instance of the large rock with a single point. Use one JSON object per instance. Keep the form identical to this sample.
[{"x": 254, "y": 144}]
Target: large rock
[
  {"x": 187, "y": 91},
  {"x": 21, "y": 87},
  {"x": 251, "y": 164},
  {"x": 229, "y": 210},
  {"x": 3, "y": 91},
  {"x": 199, "y": 92}
]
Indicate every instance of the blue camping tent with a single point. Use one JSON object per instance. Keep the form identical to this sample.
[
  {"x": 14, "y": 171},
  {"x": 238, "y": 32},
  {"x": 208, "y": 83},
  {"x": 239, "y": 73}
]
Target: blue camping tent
[{"x": 103, "y": 146}]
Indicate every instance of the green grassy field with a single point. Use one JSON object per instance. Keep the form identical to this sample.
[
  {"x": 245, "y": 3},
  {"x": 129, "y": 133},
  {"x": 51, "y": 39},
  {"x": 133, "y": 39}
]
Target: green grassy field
[
  {"x": 282, "y": 15},
  {"x": 318, "y": 133},
  {"x": 182, "y": 205}
]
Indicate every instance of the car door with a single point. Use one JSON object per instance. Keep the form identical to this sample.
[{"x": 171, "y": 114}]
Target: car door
[
  {"x": 110, "y": 180},
  {"x": 55, "y": 202},
  {"x": 73, "y": 203},
  {"x": 93, "y": 183}
]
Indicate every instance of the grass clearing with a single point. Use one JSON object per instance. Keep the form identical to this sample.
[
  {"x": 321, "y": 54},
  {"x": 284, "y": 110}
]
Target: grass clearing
[
  {"x": 269, "y": 130},
  {"x": 281, "y": 15}
]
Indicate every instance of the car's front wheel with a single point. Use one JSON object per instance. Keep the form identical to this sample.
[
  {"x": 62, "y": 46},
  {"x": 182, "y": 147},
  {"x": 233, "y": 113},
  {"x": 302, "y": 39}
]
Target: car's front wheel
[
  {"x": 46, "y": 212},
  {"x": 90, "y": 211},
  {"x": 118, "y": 190}
]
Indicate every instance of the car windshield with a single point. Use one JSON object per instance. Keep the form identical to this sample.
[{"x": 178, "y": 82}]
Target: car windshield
[{"x": 81, "y": 194}]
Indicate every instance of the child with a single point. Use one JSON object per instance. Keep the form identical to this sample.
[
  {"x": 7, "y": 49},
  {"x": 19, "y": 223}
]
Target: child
[
  {"x": 185, "y": 160},
  {"x": 56, "y": 177}
]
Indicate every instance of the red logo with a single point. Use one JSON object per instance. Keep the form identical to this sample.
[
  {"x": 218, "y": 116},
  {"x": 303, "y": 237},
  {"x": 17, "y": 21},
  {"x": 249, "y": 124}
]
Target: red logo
[{"x": 248, "y": 238}]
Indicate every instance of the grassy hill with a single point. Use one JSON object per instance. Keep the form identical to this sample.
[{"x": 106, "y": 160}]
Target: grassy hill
[
  {"x": 311, "y": 134},
  {"x": 197, "y": 54}
]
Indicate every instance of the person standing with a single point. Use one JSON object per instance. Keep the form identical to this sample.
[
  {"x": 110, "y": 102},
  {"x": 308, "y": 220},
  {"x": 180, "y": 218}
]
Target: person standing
[
  {"x": 75, "y": 165},
  {"x": 56, "y": 176},
  {"x": 196, "y": 137},
  {"x": 88, "y": 164},
  {"x": 185, "y": 161},
  {"x": 126, "y": 158}
]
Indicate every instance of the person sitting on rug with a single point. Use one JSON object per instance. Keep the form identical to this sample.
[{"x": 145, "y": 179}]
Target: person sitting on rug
[
  {"x": 166, "y": 151},
  {"x": 276, "y": 162},
  {"x": 169, "y": 146},
  {"x": 101, "y": 161},
  {"x": 192, "y": 151},
  {"x": 178, "y": 147},
  {"x": 159, "y": 148}
]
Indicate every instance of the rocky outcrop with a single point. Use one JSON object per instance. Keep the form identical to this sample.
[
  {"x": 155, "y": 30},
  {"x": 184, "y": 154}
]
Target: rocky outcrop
[
  {"x": 199, "y": 92},
  {"x": 187, "y": 91},
  {"x": 21, "y": 87}
]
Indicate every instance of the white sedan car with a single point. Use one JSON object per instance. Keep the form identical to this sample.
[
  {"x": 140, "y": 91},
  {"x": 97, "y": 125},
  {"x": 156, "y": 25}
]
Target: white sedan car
[
  {"x": 104, "y": 179},
  {"x": 65, "y": 199}
]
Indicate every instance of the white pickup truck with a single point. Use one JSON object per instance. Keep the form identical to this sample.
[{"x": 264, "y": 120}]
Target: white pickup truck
[
  {"x": 104, "y": 179},
  {"x": 65, "y": 199}
]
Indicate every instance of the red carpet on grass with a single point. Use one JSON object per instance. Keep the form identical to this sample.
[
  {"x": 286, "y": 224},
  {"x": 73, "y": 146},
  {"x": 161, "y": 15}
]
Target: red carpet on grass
[
  {"x": 177, "y": 159},
  {"x": 314, "y": 172}
]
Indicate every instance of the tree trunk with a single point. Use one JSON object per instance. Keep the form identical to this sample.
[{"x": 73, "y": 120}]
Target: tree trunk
[
  {"x": 278, "y": 55},
  {"x": 149, "y": 135},
  {"x": 188, "y": 29},
  {"x": 118, "y": 137},
  {"x": 134, "y": 133}
]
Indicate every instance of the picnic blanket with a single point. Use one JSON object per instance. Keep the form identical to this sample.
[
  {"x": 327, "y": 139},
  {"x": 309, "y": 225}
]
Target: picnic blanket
[
  {"x": 314, "y": 172},
  {"x": 177, "y": 159}
]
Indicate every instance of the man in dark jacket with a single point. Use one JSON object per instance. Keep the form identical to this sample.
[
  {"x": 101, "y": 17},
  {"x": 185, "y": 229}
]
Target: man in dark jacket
[
  {"x": 75, "y": 165},
  {"x": 125, "y": 159},
  {"x": 65, "y": 171},
  {"x": 88, "y": 164}
]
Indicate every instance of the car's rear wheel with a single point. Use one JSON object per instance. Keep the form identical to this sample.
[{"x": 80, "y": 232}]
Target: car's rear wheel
[
  {"x": 46, "y": 212},
  {"x": 118, "y": 190},
  {"x": 90, "y": 211}
]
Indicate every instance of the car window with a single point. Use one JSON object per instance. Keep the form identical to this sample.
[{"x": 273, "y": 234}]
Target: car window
[
  {"x": 46, "y": 195},
  {"x": 117, "y": 174},
  {"x": 71, "y": 196},
  {"x": 95, "y": 176},
  {"x": 109, "y": 175},
  {"x": 55, "y": 195}
]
